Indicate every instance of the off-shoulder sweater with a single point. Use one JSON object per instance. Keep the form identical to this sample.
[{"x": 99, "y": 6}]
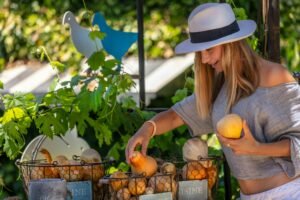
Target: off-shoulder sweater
[{"x": 272, "y": 114}]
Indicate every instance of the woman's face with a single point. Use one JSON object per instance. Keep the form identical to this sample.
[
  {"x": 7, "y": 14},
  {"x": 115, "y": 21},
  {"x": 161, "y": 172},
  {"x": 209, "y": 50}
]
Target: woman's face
[{"x": 212, "y": 57}]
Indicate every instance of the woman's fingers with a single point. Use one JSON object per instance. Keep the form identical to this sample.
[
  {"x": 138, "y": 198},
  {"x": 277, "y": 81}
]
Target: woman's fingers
[
  {"x": 144, "y": 147},
  {"x": 246, "y": 129},
  {"x": 130, "y": 148}
]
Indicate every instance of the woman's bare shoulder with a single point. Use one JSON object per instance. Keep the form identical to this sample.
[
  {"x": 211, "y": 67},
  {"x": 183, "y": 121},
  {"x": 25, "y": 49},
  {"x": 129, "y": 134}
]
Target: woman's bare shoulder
[{"x": 273, "y": 74}]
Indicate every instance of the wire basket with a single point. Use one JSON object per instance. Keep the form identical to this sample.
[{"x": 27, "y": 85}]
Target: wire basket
[
  {"x": 204, "y": 168},
  {"x": 36, "y": 162},
  {"x": 77, "y": 171},
  {"x": 123, "y": 185}
]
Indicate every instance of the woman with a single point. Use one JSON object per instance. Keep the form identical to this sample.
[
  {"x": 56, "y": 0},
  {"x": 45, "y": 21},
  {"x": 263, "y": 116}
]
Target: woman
[{"x": 231, "y": 78}]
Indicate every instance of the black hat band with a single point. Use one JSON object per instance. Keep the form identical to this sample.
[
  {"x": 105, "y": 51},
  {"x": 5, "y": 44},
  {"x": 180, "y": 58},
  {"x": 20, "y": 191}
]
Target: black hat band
[{"x": 210, "y": 35}]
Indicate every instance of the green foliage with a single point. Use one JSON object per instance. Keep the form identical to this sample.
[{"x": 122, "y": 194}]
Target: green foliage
[
  {"x": 10, "y": 184},
  {"x": 28, "y": 24},
  {"x": 20, "y": 109},
  {"x": 88, "y": 100},
  {"x": 289, "y": 33}
]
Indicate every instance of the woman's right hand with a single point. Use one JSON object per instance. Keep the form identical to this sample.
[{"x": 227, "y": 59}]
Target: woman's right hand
[
  {"x": 165, "y": 121},
  {"x": 140, "y": 138}
]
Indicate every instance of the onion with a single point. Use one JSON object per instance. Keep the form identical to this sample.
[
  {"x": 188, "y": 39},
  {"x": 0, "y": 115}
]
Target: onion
[
  {"x": 194, "y": 149},
  {"x": 118, "y": 180},
  {"x": 137, "y": 186},
  {"x": 168, "y": 168},
  {"x": 123, "y": 194},
  {"x": 90, "y": 156},
  {"x": 194, "y": 171},
  {"x": 163, "y": 183}
]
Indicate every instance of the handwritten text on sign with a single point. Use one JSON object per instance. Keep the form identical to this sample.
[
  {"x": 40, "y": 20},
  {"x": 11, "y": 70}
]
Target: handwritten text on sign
[{"x": 192, "y": 190}]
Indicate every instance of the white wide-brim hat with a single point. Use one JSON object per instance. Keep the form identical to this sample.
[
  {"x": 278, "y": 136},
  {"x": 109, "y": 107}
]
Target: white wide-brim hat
[{"x": 212, "y": 24}]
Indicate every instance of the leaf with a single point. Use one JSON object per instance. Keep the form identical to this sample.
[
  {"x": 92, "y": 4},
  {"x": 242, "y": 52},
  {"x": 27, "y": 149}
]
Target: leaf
[
  {"x": 240, "y": 13},
  {"x": 129, "y": 103},
  {"x": 1, "y": 85},
  {"x": 123, "y": 167},
  {"x": 75, "y": 80},
  {"x": 53, "y": 84},
  {"x": 13, "y": 114},
  {"x": 125, "y": 83},
  {"x": 15, "y": 130},
  {"x": 163, "y": 143},
  {"x": 111, "y": 63},
  {"x": 96, "y": 34},
  {"x": 79, "y": 119},
  {"x": 102, "y": 132},
  {"x": 111, "y": 90},
  {"x": 180, "y": 95},
  {"x": 96, "y": 60},
  {"x": 57, "y": 65},
  {"x": 114, "y": 151},
  {"x": 19, "y": 100},
  {"x": 11, "y": 148},
  {"x": 189, "y": 84},
  {"x": 11, "y": 134},
  {"x": 42, "y": 56},
  {"x": 52, "y": 123},
  {"x": 83, "y": 101}
]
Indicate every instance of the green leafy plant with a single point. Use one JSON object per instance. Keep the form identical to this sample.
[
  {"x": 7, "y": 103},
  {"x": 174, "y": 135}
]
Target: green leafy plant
[{"x": 88, "y": 100}]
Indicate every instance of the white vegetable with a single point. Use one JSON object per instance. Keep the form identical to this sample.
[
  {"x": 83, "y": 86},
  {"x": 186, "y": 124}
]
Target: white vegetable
[
  {"x": 90, "y": 156},
  {"x": 194, "y": 149}
]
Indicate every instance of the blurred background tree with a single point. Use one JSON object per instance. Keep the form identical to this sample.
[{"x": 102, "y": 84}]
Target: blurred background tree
[{"x": 27, "y": 24}]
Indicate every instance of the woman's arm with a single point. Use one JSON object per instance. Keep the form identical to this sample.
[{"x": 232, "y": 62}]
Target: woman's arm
[
  {"x": 247, "y": 145},
  {"x": 274, "y": 149},
  {"x": 165, "y": 121}
]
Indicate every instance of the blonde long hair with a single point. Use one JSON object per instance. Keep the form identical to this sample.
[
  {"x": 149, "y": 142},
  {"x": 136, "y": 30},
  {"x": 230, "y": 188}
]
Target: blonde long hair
[{"x": 240, "y": 71}]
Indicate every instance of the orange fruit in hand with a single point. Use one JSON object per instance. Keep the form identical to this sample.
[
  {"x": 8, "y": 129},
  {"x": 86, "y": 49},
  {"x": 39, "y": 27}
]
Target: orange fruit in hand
[{"x": 230, "y": 126}]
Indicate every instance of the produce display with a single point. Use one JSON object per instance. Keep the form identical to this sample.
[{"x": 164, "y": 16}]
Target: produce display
[
  {"x": 88, "y": 168},
  {"x": 151, "y": 175},
  {"x": 148, "y": 175},
  {"x": 131, "y": 185}
]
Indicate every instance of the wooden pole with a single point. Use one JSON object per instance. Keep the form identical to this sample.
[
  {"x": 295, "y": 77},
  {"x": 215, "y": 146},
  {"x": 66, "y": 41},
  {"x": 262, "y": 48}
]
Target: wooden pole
[
  {"x": 140, "y": 18},
  {"x": 271, "y": 13}
]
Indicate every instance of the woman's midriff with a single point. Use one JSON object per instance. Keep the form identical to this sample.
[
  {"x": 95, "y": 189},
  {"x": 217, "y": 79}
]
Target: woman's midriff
[{"x": 260, "y": 185}]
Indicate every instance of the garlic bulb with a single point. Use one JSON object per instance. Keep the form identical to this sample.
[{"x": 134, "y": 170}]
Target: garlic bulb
[{"x": 194, "y": 149}]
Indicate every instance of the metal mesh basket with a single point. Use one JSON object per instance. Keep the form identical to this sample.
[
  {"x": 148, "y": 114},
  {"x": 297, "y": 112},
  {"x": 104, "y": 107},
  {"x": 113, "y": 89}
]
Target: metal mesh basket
[
  {"x": 65, "y": 166},
  {"x": 131, "y": 186},
  {"x": 79, "y": 171},
  {"x": 204, "y": 168}
]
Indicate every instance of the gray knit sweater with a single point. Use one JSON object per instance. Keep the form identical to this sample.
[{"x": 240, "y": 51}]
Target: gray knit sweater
[{"x": 271, "y": 113}]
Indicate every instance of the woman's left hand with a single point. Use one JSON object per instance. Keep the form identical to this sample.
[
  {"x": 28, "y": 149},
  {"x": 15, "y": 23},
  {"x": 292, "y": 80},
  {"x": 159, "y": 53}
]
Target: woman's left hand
[{"x": 245, "y": 145}]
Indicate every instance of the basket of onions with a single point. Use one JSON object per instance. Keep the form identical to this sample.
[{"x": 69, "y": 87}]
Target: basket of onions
[
  {"x": 86, "y": 167},
  {"x": 197, "y": 165},
  {"x": 146, "y": 178}
]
